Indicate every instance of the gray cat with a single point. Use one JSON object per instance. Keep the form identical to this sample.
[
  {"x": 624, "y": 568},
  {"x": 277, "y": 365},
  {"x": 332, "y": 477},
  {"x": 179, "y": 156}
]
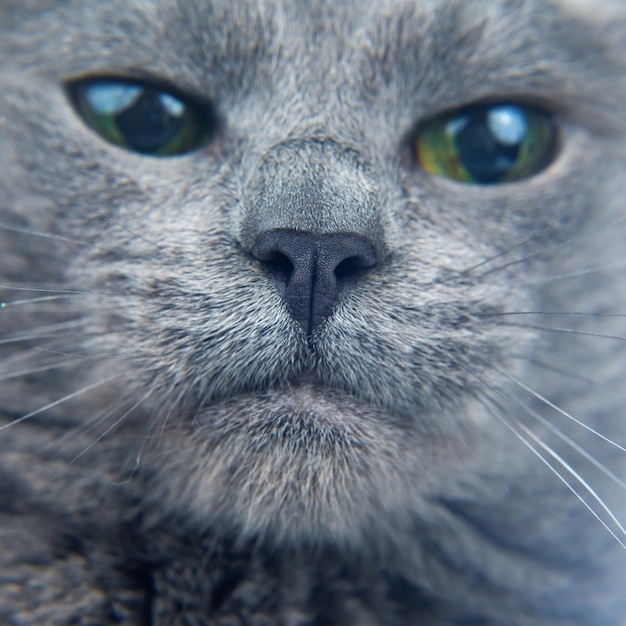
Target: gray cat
[{"x": 312, "y": 312}]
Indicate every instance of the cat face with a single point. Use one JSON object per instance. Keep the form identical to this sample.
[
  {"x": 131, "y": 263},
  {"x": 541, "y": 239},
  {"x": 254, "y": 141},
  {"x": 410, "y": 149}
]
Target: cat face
[{"x": 322, "y": 272}]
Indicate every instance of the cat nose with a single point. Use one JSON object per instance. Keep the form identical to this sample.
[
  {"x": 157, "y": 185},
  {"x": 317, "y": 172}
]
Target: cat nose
[{"x": 312, "y": 269}]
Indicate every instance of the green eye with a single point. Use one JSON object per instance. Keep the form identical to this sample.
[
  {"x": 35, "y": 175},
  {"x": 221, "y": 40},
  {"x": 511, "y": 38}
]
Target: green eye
[
  {"x": 141, "y": 117},
  {"x": 487, "y": 144}
]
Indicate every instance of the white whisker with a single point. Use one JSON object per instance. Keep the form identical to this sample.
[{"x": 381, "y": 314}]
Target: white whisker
[
  {"x": 558, "y": 474},
  {"x": 499, "y": 255},
  {"x": 42, "y": 290},
  {"x": 563, "y": 463},
  {"x": 138, "y": 236},
  {"x": 590, "y": 270},
  {"x": 43, "y": 368},
  {"x": 118, "y": 421},
  {"x": 57, "y": 352},
  {"x": 575, "y": 474},
  {"x": 36, "y": 233},
  {"x": 529, "y": 411},
  {"x": 558, "y": 246},
  {"x": 566, "y": 373},
  {"x": 558, "y": 409},
  {"x": 13, "y": 303},
  {"x": 51, "y": 405},
  {"x": 575, "y": 446},
  {"x": 564, "y": 313},
  {"x": 558, "y": 329},
  {"x": 46, "y": 331}
]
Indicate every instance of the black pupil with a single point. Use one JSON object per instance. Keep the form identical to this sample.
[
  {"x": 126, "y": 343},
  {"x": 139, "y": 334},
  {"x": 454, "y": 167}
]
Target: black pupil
[
  {"x": 148, "y": 124},
  {"x": 486, "y": 158}
]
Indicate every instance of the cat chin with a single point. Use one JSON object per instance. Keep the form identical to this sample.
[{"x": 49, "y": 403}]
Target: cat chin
[{"x": 300, "y": 464}]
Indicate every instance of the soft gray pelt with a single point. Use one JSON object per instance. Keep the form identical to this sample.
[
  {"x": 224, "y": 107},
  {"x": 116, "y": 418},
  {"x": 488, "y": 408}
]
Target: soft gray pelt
[{"x": 298, "y": 369}]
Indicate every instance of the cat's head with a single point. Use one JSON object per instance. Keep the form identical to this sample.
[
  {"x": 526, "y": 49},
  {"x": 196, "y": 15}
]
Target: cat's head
[{"x": 299, "y": 257}]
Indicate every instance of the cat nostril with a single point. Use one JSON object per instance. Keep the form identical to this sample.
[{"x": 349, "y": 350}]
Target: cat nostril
[
  {"x": 311, "y": 270},
  {"x": 350, "y": 269},
  {"x": 280, "y": 268}
]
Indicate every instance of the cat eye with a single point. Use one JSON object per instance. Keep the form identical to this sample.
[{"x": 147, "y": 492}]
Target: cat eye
[
  {"x": 487, "y": 144},
  {"x": 141, "y": 117}
]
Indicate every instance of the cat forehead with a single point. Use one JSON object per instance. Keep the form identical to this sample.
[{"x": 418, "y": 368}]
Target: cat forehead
[
  {"x": 246, "y": 28},
  {"x": 309, "y": 14}
]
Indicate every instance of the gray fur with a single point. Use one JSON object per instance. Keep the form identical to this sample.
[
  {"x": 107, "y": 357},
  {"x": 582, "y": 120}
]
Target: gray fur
[{"x": 206, "y": 475}]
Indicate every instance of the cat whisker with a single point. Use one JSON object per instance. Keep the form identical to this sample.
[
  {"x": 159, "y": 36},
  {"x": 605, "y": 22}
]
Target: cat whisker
[
  {"x": 14, "y": 303},
  {"x": 521, "y": 261},
  {"x": 569, "y": 375},
  {"x": 542, "y": 255},
  {"x": 561, "y": 313},
  {"x": 28, "y": 354},
  {"x": 562, "y": 463},
  {"x": 557, "y": 329},
  {"x": 36, "y": 233},
  {"x": 575, "y": 446},
  {"x": 43, "y": 368},
  {"x": 51, "y": 405},
  {"x": 116, "y": 423},
  {"x": 510, "y": 420},
  {"x": 59, "y": 352},
  {"x": 544, "y": 280},
  {"x": 43, "y": 332},
  {"x": 564, "y": 413},
  {"x": 51, "y": 329},
  {"x": 588, "y": 488},
  {"x": 42, "y": 289},
  {"x": 173, "y": 404},
  {"x": 541, "y": 419},
  {"x": 49, "y": 351},
  {"x": 138, "y": 236},
  {"x": 202, "y": 403},
  {"x": 70, "y": 434},
  {"x": 499, "y": 255}
]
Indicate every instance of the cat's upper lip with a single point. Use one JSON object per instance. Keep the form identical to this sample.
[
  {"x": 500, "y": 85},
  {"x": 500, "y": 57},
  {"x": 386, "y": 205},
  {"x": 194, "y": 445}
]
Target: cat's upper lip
[{"x": 306, "y": 378}]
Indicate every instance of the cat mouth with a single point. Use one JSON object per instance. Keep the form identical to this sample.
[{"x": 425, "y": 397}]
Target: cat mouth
[
  {"x": 305, "y": 399},
  {"x": 306, "y": 378},
  {"x": 306, "y": 394}
]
